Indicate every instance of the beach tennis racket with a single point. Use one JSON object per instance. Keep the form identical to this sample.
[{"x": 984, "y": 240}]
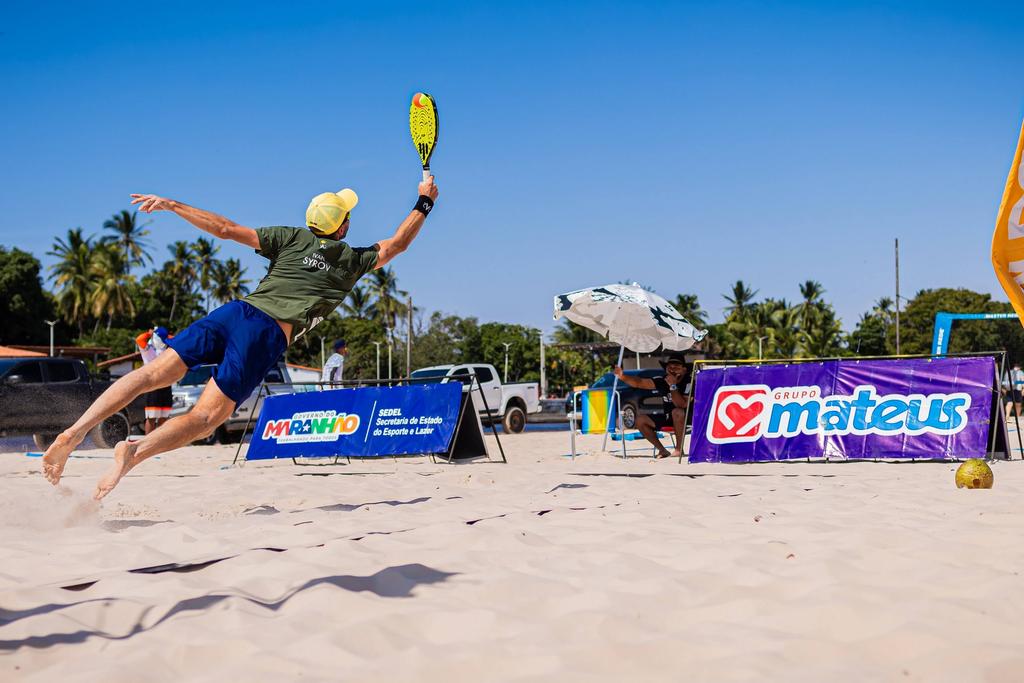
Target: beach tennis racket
[{"x": 423, "y": 128}]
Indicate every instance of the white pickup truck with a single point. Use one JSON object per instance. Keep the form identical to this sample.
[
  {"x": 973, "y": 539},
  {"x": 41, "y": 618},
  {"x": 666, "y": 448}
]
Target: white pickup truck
[{"x": 507, "y": 403}]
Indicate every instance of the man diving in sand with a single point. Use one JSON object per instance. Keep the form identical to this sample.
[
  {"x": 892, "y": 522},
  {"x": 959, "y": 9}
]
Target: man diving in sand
[{"x": 311, "y": 272}]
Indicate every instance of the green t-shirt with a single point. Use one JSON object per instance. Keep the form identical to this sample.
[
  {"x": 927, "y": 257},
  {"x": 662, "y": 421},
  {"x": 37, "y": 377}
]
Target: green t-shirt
[{"x": 309, "y": 276}]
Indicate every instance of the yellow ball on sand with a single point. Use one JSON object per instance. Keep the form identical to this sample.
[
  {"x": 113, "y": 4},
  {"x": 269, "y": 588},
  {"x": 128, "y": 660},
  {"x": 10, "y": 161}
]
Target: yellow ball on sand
[{"x": 974, "y": 474}]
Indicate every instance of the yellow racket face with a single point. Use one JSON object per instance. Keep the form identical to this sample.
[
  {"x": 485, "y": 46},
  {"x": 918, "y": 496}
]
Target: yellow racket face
[{"x": 423, "y": 126}]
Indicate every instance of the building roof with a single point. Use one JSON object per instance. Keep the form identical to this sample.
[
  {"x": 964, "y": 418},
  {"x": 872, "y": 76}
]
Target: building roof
[
  {"x": 120, "y": 359},
  {"x": 84, "y": 352},
  {"x": 11, "y": 352}
]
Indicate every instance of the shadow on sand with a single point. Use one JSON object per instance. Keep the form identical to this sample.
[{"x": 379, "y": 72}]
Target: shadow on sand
[{"x": 392, "y": 582}]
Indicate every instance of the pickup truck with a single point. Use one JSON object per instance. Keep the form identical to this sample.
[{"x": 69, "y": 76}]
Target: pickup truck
[
  {"x": 43, "y": 396},
  {"x": 506, "y": 403},
  {"x": 278, "y": 381}
]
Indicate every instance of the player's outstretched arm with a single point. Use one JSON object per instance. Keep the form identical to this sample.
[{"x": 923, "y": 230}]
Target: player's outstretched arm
[
  {"x": 410, "y": 227},
  {"x": 207, "y": 221}
]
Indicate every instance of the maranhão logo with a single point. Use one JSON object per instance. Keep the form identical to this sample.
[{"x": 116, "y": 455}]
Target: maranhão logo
[
  {"x": 314, "y": 425},
  {"x": 750, "y": 412}
]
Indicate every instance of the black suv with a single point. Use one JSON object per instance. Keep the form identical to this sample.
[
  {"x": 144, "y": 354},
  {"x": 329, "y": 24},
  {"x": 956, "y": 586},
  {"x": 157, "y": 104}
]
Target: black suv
[
  {"x": 44, "y": 396},
  {"x": 634, "y": 401}
]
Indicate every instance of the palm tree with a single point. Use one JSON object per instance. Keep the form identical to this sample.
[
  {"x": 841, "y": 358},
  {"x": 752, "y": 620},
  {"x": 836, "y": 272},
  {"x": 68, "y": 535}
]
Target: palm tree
[
  {"x": 204, "y": 253},
  {"x": 73, "y": 274},
  {"x": 358, "y": 303},
  {"x": 811, "y": 291},
  {"x": 129, "y": 234},
  {"x": 109, "y": 284},
  {"x": 387, "y": 307},
  {"x": 228, "y": 281},
  {"x": 824, "y": 337},
  {"x": 740, "y": 300},
  {"x": 182, "y": 270},
  {"x": 689, "y": 308}
]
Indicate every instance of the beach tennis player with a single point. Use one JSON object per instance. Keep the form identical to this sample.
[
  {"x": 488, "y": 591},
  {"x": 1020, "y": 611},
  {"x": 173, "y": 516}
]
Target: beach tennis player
[
  {"x": 675, "y": 396},
  {"x": 311, "y": 271}
]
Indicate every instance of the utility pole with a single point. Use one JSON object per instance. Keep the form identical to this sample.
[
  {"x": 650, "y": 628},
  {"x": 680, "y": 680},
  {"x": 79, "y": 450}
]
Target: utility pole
[
  {"x": 897, "y": 296},
  {"x": 543, "y": 370},
  {"x": 759, "y": 355},
  {"x": 51, "y": 323},
  {"x": 389, "y": 361},
  {"x": 408, "y": 341},
  {"x": 377, "y": 344},
  {"x": 323, "y": 359},
  {"x": 507, "y": 344}
]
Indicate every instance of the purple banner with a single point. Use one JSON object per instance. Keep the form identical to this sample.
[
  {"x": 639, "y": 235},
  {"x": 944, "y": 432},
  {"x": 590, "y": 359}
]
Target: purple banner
[{"x": 921, "y": 409}]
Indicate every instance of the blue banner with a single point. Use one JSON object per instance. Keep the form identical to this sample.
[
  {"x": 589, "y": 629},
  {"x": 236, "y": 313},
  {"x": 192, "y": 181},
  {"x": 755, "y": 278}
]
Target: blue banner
[{"x": 402, "y": 420}]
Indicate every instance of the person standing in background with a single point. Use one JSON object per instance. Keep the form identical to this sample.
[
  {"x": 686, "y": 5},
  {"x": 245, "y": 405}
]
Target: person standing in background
[
  {"x": 151, "y": 344},
  {"x": 334, "y": 368}
]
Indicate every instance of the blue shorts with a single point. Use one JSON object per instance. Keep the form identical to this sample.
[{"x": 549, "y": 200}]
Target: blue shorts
[{"x": 243, "y": 342}]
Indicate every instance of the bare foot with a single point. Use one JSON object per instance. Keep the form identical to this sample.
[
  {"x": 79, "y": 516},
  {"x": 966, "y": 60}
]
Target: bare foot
[
  {"x": 57, "y": 456},
  {"x": 663, "y": 454},
  {"x": 124, "y": 460},
  {"x": 677, "y": 454}
]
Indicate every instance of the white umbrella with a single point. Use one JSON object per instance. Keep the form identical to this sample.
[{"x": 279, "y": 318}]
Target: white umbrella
[{"x": 630, "y": 316}]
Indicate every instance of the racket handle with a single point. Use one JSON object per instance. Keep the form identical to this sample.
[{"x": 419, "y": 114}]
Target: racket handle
[{"x": 426, "y": 174}]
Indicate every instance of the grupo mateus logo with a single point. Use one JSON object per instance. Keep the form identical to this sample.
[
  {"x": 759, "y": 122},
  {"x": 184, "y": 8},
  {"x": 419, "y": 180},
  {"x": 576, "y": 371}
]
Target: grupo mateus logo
[
  {"x": 314, "y": 425},
  {"x": 750, "y": 412}
]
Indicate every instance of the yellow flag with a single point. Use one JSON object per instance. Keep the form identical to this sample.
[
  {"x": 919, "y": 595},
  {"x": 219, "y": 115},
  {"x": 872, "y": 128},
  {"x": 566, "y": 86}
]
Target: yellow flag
[{"x": 1008, "y": 238}]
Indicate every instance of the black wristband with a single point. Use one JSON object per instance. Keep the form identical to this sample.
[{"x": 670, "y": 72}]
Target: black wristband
[{"x": 424, "y": 204}]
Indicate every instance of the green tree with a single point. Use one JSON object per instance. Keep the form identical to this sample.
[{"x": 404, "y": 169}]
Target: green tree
[
  {"x": 109, "y": 294},
  {"x": 129, "y": 235},
  {"x": 443, "y": 340},
  {"x": 739, "y": 299},
  {"x": 358, "y": 303},
  {"x": 72, "y": 273},
  {"x": 689, "y": 307},
  {"x": 227, "y": 282},
  {"x": 181, "y": 270},
  {"x": 24, "y": 305},
  {"x": 871, "y": 336},
  {"x": 387, "y": 305},
  {"x": 204, "y": 258}
]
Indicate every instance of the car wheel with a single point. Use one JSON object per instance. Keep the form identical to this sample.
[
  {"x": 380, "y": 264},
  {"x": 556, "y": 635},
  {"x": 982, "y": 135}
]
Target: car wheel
[
  {"x": 43, "y": 441},
  {"x": 514, "y": 421},
  {"x": 111, "y": 431},
  {"x": 629, "y": 416}
]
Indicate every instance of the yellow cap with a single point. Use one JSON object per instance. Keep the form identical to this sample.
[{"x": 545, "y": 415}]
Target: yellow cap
[{"x": 327, "y": 211}]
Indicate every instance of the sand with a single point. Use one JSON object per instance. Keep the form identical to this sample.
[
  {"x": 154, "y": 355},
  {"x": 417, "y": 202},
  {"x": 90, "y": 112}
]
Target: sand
[{"x": 540, "y": 570}]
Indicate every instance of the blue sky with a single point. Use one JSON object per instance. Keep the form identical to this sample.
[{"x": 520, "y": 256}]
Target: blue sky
[{"x": 684, "y": 145}]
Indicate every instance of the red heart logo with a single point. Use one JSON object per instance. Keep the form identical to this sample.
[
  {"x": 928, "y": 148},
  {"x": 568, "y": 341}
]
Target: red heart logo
[{"x": 738, "y": 414}]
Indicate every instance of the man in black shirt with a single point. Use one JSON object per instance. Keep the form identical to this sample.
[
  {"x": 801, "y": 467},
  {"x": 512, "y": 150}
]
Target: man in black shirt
[{"x": 674, "y": 389}]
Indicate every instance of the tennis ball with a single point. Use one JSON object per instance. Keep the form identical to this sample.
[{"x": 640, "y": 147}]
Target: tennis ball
[
  {"x": 417, "y": 101},
  {"x": 974, "y": 474}
]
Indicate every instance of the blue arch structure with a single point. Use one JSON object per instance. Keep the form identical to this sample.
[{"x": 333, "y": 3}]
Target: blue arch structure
[{"x": 944, "y": 324}]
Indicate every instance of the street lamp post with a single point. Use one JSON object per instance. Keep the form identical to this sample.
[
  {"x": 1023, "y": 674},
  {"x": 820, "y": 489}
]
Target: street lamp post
[
  {"x": 51, "y": 323},
  {"x": 759, "y": 355},
  {"x": 377, "y": 344},
  {"x": 507, "y": 344},
  {"x": 389, "y": 361}
]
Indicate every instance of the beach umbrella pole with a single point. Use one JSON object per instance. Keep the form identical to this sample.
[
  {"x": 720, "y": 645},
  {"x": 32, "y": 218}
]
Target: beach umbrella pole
[{"x": 614, "y": 402}]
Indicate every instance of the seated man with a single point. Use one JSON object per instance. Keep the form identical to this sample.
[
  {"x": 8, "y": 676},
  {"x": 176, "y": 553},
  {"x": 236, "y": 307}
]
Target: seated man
[{"x": 674, "y": 389}]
